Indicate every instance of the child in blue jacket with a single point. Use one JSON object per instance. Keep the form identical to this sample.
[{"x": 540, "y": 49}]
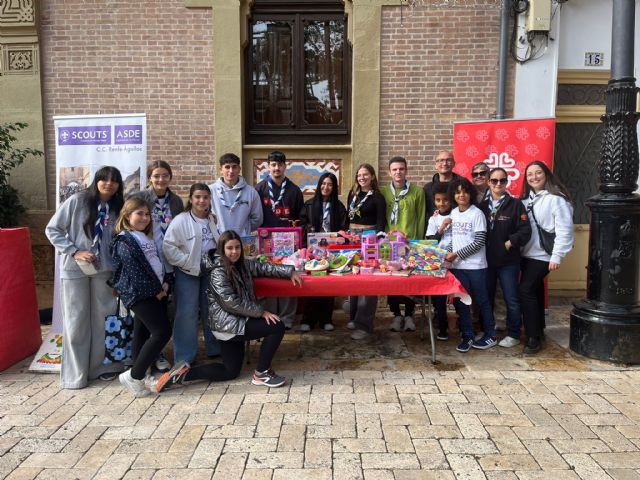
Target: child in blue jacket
[{"x": 139, "y": 280}]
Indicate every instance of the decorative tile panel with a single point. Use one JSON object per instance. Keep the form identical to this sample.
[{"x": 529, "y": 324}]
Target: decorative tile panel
[
  {"x": 17, "y": 13},
  {"x": 304, "y": 173},
  {"x": 19, "y": 59}
]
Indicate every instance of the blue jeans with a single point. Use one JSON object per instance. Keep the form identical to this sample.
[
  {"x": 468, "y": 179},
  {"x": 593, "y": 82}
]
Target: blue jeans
[
  {"x": 191, "y": 308},
  {"x": 475, "y": 283},
  {"x": 509, "y": 279}
]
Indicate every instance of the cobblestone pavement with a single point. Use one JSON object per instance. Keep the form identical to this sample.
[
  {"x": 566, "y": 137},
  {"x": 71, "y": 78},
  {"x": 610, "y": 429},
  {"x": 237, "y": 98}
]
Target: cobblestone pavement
[{"x": 368, "y": 410}]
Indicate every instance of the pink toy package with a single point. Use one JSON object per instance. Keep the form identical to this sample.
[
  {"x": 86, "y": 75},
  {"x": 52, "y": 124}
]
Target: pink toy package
[{"x": 266, "y": 238}]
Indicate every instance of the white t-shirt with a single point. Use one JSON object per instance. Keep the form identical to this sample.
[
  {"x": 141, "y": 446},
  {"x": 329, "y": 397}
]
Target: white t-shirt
[
  {"x": 433, "y": 226},
  {"x": 464, "y": 226},
  {"x": 148, "y": 246},
  {"x": 207, "y": 235}
]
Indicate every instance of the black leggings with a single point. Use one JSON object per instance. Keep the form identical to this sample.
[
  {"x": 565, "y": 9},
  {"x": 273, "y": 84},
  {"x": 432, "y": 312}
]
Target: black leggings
[
  {"x": 151, "y": 332},
  {"x": 394, "y": 302},
  {"x": 531, "y": 291},
  {"x": 233, "y": 352}
]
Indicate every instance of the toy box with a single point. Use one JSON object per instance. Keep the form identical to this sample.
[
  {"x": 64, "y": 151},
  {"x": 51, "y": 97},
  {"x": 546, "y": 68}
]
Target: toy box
[
  {"x": 250, "y": 246},
  {"x": 324, "y": 239},
  {"x": 266, "y": 240}
]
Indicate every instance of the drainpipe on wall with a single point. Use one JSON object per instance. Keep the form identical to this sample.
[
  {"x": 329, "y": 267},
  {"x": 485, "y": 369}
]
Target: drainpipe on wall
[{"x": 502, "y": 61}]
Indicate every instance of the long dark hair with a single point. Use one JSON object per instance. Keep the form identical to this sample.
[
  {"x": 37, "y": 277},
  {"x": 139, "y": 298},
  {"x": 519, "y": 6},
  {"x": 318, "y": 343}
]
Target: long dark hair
[
  {"x": 355, "y": 190},
  {"x": 316, "y": 205},
  {"x": 194, "y": 187},
  {"x": 466, "y": 186},
  {"x": 231, "y": 270},
  {"x": 552, "y": 184},
  {"x": 92, "y": 197}
]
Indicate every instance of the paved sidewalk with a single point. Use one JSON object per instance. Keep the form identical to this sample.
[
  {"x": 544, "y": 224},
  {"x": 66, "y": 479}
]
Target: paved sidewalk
[{"x": 353, "y": 410}]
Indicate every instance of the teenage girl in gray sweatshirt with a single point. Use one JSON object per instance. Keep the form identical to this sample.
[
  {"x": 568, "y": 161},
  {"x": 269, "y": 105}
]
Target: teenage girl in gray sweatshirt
[{"x": 81, "y": 232}]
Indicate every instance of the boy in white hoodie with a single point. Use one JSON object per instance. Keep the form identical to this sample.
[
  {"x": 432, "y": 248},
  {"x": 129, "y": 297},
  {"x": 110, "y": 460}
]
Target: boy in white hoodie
[{"x": 235, "y": 203}]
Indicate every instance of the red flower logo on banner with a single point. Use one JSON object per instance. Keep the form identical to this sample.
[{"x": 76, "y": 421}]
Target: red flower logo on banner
[
  {"x": 502, "y": 134},
  {"x": 462, "y": 136},
  {"x": 509, "y": 144}
]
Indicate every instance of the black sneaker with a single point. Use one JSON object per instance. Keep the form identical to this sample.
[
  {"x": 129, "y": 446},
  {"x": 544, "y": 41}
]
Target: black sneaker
[
  {"x": 443, "y": 335},
  {"x": 268, "y": 378},
  {"x": 175, "y": 376}
]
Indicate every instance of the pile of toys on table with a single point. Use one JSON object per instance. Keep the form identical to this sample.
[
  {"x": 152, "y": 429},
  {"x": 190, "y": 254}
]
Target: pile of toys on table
[{"x": 341, "y": 253}]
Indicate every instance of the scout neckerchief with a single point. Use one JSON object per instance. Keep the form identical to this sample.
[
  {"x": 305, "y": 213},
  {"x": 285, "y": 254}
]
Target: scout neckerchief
[
  {"x": 494, "y": 207},
  {"x": 274, "y": 204},
  {"x": 326, "y": 210},
  {"x": 354, "y": 210},
  {"x": 162, "y": 213},
  {"x": 223, "y": 202},
  {"x": 396, "y": 200},
  {"x": 101, "y": 221},
  {"x": 533, "y": 198}
]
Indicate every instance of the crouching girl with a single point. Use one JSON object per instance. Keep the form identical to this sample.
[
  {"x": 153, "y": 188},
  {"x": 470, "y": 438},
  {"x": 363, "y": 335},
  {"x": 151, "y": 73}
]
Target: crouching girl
[{"x": 235, "y": 317}]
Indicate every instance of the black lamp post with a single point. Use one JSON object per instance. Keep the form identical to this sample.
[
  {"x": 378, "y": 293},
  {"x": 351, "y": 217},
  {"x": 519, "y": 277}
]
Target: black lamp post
[{"x": 606, "y": 325}]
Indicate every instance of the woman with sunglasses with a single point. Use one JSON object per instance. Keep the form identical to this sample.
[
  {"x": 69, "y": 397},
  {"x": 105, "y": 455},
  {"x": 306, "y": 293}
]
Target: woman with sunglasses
[
  {"x": 480, "y": 180},
  {"x": 549, "y": 208},
  {"x": 508, "y": 230}
]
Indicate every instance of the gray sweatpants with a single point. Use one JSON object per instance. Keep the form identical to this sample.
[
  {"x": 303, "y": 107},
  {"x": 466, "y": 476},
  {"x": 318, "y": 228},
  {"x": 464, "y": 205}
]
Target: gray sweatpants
[
  {"x": 362, "y": 312},
  {"x": 85, "y": 304},
  {"x": 284, "y": 307}
]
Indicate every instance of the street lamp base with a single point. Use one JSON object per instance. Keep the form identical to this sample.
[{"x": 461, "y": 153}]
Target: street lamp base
[{"x": 606, "y": 332}]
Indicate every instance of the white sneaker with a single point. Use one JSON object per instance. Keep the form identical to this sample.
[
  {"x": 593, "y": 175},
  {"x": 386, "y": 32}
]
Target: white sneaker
[
  {"x": 136, "y": 387},
  {"x": 150, "y": 383},
  {"x": 162, "y": 364},
  {"x": 328, "y": 327},
  {"x": 409, "y": 325},
  {"x": 396, "y": 324},
  {"x": 508, "y": 342},
  {"x": 359, "y": 335},
  {"x": 304, "y": 327},
  {"x": 351, "y": 326}
]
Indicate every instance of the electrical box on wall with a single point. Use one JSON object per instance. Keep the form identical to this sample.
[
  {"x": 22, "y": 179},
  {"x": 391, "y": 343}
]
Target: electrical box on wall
[{"x": 539, "y": 16}]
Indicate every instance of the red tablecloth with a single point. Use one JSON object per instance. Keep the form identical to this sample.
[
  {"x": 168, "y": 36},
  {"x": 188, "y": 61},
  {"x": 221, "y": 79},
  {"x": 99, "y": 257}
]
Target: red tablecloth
[{"x": 365, "y": 285}]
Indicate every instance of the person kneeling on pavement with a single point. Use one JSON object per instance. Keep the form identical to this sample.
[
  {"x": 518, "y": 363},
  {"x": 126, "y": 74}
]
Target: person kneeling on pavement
[{"x": 235, "y": 317}]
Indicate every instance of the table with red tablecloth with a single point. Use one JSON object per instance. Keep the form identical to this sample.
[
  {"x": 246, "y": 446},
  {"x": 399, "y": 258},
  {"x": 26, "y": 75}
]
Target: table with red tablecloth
[{"x": 420, "y": 287}]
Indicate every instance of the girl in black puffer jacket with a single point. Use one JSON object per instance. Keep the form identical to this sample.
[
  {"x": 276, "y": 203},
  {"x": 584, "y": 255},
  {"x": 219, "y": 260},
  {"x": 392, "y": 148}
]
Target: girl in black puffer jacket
[{"x": 235, "y": 317}]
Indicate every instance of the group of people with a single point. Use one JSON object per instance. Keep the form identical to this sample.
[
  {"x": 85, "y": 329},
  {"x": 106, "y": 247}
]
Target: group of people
[
  {"x": 492, "y": 236},
  {"x": 149, "y": 247}
]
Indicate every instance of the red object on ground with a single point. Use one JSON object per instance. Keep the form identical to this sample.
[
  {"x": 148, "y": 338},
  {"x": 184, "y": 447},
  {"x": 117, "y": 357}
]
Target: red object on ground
[
  {"x": 19, "y": 320},
  {"x": 364, "y": 285}
]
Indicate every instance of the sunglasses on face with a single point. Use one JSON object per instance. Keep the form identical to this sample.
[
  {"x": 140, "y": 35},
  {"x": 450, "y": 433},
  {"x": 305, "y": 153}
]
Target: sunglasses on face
[
  {"x": 496, "y": 181},
  {"x": 479, "y": 174}
]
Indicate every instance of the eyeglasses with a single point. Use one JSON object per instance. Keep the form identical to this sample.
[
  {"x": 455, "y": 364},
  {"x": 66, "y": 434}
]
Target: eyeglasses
[
  {"x": 444, "y": 160},
  {"x": 161, "y": 177},
  {"x": 479, "y": 174},
  {"x": 501, "y": 181}
]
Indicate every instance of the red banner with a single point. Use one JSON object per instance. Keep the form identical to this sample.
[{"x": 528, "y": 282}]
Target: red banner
[{"x": 510, "y": 144}]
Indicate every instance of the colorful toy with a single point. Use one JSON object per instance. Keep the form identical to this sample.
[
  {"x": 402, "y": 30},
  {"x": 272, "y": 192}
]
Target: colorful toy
[
  {"x": 369, "y": 247},
  {"x": 265, "y": 238},
  {"x": 250, "y": 246},
  {"x": 316, "y": 265},
  {"x": 426, "y": 257}
]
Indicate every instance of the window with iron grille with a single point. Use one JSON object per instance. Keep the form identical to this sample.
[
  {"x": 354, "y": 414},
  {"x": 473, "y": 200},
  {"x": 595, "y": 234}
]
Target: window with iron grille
[{"x": 298, "y": 73}]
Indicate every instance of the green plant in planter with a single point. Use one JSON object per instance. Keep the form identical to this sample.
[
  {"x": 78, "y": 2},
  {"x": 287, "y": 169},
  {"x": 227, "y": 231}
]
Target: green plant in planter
[{"x": 10, "y": 158}]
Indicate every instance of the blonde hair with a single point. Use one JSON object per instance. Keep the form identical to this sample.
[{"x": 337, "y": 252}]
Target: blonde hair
[{"x": 131, "y": 205}]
